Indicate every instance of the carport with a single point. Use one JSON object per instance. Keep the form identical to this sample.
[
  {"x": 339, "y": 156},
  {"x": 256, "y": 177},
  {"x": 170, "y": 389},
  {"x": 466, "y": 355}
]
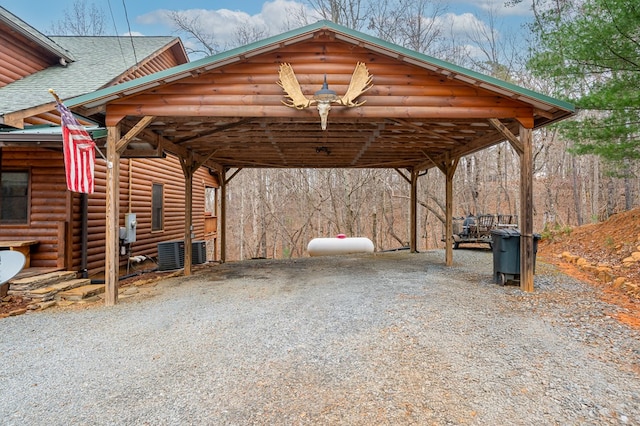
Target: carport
[{"x": 243, "y": 109}]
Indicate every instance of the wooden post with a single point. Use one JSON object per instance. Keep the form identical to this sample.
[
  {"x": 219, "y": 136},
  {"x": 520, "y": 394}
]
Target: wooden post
[
  {"x": 84, "y": 233},
  {"x": 449, "y": 169},
  {"x": 527, "y": 255},
  {"x": 112, "y": 234},
  {"x": 223, "y": 216},
  {"x": 187, "y": 169},
  {"x": 64, "y": 242},
  {"x": 413, "y": 246}
]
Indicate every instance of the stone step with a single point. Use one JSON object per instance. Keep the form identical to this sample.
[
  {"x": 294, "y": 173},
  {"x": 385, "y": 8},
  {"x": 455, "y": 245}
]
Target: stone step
[
  {"x": 26, "y": 284},
  {"x": 44, "y": 294},
  {"x": 80, "y": 293}
]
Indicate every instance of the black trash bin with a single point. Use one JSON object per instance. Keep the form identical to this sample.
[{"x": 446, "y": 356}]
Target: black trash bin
[{"x": 506, "y": 254}]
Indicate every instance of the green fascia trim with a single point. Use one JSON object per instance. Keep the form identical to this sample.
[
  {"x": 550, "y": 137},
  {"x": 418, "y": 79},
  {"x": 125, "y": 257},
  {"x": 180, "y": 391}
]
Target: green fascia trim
[
  {"x": 35, "y": 128},
  {"x": 191, "y": 66},
  {"x": 455, "y": 68},
  {"x": 47, "y": 129}
]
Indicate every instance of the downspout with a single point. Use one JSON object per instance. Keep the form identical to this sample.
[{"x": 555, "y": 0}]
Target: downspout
[
  {"x": 130, "y": 182},
  {"x": 84, "y": 220}
]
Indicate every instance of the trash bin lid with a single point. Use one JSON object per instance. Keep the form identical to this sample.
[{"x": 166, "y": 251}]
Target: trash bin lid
[{"x": 506, "y": 232}]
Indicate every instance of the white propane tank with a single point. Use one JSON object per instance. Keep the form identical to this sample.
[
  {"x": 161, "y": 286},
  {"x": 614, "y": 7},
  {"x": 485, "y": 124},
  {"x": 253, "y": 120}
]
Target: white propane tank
[{"x": 339, "y": 245}]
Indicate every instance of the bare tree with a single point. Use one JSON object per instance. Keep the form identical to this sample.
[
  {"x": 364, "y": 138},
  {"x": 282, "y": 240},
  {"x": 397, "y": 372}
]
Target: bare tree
[
  {"x": 495, "y": 49},
  {"x": 249, "y": 34},
  {"x": 414, "y": 24},
  {"x": 81, "y": 19},
  {"x": 350, "y": 13},
  {"x": 204, "y": 39}
]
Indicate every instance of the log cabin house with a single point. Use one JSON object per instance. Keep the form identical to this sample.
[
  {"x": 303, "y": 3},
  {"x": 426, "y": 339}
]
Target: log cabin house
[{"x": 58, "y": 229}]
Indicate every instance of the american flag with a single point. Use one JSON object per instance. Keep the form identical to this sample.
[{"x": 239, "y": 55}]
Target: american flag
[{"x": 79, "y": 153}]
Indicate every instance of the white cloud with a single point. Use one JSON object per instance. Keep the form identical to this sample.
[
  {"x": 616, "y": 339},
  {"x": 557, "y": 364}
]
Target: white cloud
[
  {"x": 498, "y": 6},
  {"x": 274, "y": 18},
  {"x": 460, "y": 26}
]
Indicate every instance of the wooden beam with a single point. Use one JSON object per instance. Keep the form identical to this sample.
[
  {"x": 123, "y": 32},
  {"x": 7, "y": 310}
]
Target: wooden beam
[
  {"x": 135, "y": 131},
  {"x": 527, "y": 121},
  {"x": 426, "y": 131},
  {"x": 426, "y": 165},
  {"x": 88, "y": 112},
  {"x": 542, "y": 113},
  {"x": 449, "y": 168},
  {"x": 201, "y": 160},
  {"x": 527, "y": 255},
  {"x": 223, "y": 214},
  {"x": 112, "y": 230},
  {"x": 16, "y": 119},
  {"x": 408, "y": 179},
  {"x": 117, "y": 112},
  {"x": 413, "y": 243},
  {"x": 365, "y": 146},
  {"x": 215, "y": 130},
  {"x": 227, "y": 180},
  {"x": 269, "y": 97},
  {"x": 18, "y": 123},
  {"x": 274, "y": 142},
  {"x": 439, "y": 163},
  {"x": 513, "y": 140},
  {"x": 188, "y": 168},
  {"x": 62, "y": 261},
  {"x": 179, "y": 151},
  {"x": 238, "y": 163},
  {"x": 476, "y": 145},
  {"x": 142, "y": 153}
]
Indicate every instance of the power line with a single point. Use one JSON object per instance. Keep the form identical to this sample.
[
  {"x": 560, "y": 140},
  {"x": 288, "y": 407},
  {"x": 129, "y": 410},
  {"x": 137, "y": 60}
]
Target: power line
[
  {"x": 113, "y": 19},
  {"x": 126, "y": 15}
]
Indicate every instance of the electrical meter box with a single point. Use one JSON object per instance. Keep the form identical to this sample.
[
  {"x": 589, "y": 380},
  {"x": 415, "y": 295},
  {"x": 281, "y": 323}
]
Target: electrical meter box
[{"x": 128, "y": 234}]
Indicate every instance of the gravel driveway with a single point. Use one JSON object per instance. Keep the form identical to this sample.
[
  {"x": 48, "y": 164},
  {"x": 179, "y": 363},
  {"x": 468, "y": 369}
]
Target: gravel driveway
[{"x": 394, "y": 338}]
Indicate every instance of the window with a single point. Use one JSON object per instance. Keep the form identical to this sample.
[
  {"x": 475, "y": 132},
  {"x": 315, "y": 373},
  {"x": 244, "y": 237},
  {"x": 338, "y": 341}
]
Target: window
[
  {"x": 210, "y": 200},
  {"x": 14, "y": 204},
  {"x": 157, "y": 210}
]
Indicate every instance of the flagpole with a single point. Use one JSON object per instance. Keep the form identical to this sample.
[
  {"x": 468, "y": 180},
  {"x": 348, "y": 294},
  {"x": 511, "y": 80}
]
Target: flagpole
[
  {"x": 58, "y": 101},
  {"x": 55, "y": 95}
]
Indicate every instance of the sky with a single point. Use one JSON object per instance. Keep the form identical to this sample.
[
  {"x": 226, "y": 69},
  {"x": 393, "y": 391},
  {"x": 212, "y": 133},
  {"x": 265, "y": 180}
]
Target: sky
[{"x": 148, "y": 17}]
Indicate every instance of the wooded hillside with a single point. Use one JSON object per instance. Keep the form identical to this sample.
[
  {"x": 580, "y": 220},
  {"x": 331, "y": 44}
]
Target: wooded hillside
[{"x": 277, "y": 212}]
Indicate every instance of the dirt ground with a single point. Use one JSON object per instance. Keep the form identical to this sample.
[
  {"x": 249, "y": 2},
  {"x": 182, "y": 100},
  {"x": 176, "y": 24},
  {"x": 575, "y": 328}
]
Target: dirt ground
[
  {"x": 606, "y": 243},
  {"x": 601, "y": 244}
]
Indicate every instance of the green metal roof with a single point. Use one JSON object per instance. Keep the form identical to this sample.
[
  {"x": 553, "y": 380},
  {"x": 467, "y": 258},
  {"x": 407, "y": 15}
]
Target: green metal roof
[{"x": 103, "y": 96}]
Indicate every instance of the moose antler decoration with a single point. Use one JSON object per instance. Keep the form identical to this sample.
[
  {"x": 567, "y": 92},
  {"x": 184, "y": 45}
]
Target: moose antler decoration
[{"x": 361, "y": 81}]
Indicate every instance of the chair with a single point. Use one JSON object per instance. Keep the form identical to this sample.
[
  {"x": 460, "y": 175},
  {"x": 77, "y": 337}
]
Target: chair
[
  {"x": 485, "y": 222},
  {"x": 505, "y": 219}
]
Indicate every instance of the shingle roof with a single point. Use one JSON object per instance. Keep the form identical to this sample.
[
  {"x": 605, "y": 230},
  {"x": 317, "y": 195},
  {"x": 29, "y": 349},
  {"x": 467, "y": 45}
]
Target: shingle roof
[
  {"x": 31, "y": 33},
  {"x": 98, "y": 60}
]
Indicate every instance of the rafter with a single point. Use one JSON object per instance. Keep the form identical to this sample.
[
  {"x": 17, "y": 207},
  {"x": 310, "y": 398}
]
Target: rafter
[
  {"x": 425, "y": 131},
  {"x": 121, "y": 145},
  {"x": 513, "y": 140}
]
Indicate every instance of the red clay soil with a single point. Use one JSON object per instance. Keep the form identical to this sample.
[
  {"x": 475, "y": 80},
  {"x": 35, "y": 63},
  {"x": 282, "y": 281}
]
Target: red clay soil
[{"x": 602, "y": 244}]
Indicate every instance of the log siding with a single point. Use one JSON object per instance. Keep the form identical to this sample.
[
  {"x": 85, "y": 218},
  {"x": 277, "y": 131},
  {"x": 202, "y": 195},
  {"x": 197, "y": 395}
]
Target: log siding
[{"x": 55, "y": 213}]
